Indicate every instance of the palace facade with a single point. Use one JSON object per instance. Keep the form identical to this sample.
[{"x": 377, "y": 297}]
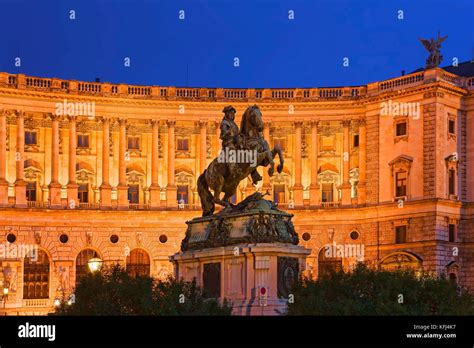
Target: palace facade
[{"x": 382, "y": 173}]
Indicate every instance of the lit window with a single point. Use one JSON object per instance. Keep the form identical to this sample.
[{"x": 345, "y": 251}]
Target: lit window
[
  {"x": 327, "y": 193},
  {"x": 401, "y": 184},
  {"x": 36, "y": 276},
  {"x": 138, "y": 263}
]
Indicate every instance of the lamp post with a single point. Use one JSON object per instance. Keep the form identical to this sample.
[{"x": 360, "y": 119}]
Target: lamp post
[
  {"x": 5, "y": 294},
  {"x": 95, "y": 264}
]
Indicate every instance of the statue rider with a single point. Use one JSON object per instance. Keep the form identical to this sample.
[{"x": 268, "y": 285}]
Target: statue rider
[{"x": 231, "y": 139}]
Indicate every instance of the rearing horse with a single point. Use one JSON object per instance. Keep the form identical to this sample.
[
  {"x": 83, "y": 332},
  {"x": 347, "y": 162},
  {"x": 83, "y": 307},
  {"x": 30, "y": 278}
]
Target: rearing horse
[{"x": 225, "y": 177}]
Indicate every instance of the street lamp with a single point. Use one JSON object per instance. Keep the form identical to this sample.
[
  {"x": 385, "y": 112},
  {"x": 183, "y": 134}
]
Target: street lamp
[
  {"x": 95, "y": 264},
  {"x": 5, "y": 295}
]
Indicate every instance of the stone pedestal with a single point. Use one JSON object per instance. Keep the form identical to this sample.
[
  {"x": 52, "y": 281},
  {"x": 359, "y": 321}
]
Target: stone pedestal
[
  {"x": 154, "y": 197},
  {"x": 20, "y": 194},
  {"x": 256, "y": 278},
  {"x": 247, "y": 254},
  {"x": 122, "y": 197},
  {"x": 105, "y": 196},
  {"x": 55, "y": 195}
]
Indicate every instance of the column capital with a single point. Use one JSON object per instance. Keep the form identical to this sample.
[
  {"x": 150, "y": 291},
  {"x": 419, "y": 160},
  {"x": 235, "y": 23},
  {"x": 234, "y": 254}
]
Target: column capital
[
  {"x": 122, "y": 121},
  {"x": 19, "y": 113},
  {"x": 154, "y": 122},
  {"x": 362, "y": 122},
  {"x": 171, "y": 123},
  {"x": 72, "y": 119},
  {"x": 104, "y": 119},
  {"x": 202, "y": 123},
  {"x": 314, "y": 123},
  {"x": 346, "y": 122},
  {"x": 298, "y": 124}
]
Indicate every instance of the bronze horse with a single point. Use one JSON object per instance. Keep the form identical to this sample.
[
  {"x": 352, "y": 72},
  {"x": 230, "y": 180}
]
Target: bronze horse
[{"x": 225, "y": 177}]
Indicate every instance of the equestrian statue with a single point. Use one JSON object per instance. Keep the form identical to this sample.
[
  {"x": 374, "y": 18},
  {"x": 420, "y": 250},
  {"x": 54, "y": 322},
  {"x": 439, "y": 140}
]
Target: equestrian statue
[{"x": 223, "y": 176}]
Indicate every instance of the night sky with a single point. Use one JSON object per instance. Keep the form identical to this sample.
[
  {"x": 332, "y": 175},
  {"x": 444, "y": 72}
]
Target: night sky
[{"x": 200, "y": 51}]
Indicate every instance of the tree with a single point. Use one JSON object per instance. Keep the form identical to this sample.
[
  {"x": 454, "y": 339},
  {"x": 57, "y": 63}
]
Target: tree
[
  {"x": 114, "y": 292},
  {"x": 366, "y": 291}
]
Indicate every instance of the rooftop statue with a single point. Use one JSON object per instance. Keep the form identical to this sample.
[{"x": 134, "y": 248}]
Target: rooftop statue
[
  {"x": 243, "y": 150},
  {"x": 433, "y": 46}
]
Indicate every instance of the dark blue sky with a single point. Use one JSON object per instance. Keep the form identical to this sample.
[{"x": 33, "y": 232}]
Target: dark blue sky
[{"x": 199, "y": 51}]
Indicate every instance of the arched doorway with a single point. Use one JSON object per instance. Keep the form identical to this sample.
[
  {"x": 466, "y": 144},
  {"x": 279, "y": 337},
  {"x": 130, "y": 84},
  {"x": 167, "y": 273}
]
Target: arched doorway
[
  {"x": 138, "y": 263},
  {"x": 328, "y": 261},
  {"x": 82, "y": 259},
  {"x": 36, "y": 276}
]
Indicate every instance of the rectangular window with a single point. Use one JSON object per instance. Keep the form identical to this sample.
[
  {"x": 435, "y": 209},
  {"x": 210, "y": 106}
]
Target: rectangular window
[
  {"x": 451, "y": 126},
  {"x": 400, "y": 234},
  {"x": 183, "y": 144},
  {"x": 279, "y": 193},
  {"x": 31, "y": 192},
  {"x": 133, "y": 143},
  {"x": 356, "y": 140},
  {"x": 83, "y": 141},
  {"x": 452, "y": 182},
  {"x": 452, "y": 232},
  {"x": 83, "y": 194},
  {"x": 401, "y": 184},
  {"x": 327, "y": 193},
  {"x": 401, "y": 129},
  {"x": 30, "y": 138},
  {"x": 182, "y": 194},
  {"x": 133, "y": 194}
]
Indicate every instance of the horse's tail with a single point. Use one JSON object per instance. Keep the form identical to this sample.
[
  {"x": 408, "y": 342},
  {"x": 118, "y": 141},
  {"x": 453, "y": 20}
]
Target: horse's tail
[{"x": 207, "y": 199}]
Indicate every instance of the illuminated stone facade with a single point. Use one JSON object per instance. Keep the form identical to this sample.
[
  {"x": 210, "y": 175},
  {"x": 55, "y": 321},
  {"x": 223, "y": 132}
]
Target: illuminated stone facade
[{"x": 110, "y": 170}]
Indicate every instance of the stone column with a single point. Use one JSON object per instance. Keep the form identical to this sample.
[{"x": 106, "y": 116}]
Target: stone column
[
  {"x": 154, "y": 188},
  {"x": 71, "y": 185},
  {"x": 122, "y": 189},
  {"x": 362, "y": 187},
  {"x": 105, "y": 187},
  {"x": 298, "y": 187},
  {"x": 171, "y": 187},
  {"x": 346, "y": 186},
  {"x": 20, "y": 184},
  {"x": 202, "y": 146},
  {"x": 3, "y": 159},
  {"x": 55, "y": 186},
  {"x": 266, "y": 178},
  {"x": 314, "y": 189}
]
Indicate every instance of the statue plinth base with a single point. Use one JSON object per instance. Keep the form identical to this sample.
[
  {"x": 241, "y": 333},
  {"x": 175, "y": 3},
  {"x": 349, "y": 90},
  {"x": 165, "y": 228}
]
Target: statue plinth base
[
  {"x": 239, "y": 272},
  {"x": 247, "y": 254}
]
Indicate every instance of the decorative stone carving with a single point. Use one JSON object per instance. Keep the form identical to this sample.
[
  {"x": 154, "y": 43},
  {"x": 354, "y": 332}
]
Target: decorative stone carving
[{"x": 38, "y": 237}]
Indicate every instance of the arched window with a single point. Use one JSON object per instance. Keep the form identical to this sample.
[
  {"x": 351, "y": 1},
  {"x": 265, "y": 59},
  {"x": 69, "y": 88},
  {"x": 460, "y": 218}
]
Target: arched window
[
  {"x": 138, "y": 263},
  {"x": 36, "y": 276},
  {"x": 328, "y": 261},
  {"x": 82, "y": 259}
]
